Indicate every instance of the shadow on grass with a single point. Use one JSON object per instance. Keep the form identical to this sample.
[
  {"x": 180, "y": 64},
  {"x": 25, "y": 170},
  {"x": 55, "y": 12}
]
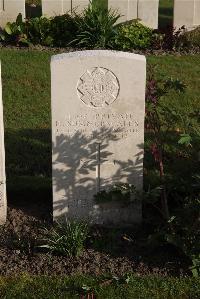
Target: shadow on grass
[{"x": 28, "y": 170}]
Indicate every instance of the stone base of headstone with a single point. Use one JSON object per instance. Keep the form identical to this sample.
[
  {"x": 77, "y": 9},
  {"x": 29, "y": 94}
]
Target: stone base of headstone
[{"x": 116, "y": 213}]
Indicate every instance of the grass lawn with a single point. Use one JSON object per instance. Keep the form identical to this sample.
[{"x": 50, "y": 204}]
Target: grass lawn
[
  {"x": 26, "y": 95},
  {"x": 133, "y": 287}
]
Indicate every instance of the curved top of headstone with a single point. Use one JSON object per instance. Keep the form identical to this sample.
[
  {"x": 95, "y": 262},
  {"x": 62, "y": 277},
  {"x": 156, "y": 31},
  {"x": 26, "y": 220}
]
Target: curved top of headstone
[{"x": 92, "y": 53}]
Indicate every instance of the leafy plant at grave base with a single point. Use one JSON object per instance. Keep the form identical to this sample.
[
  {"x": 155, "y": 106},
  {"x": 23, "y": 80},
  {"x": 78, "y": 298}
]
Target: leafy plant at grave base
[
  {"x": 15, "y": 32},
  {"x": 122, "y": 192},
  {"x": 159, "y": 122},
  {"x": 186, "y": 233},
  {"x": 170, "y": 39},
  {"x": 182, "y": 227},
  {"x": 24, "y": 243},
  {"x": 97, "y": 27},
  {"x": 195, "y": 268},
  {"x": 66, "y": 238},
  {"x": 39, "y": 31},
  {"x": 193, "y": 37},
  {"x": 64, "y": 28},
  {"x": 133, "y": 35}
]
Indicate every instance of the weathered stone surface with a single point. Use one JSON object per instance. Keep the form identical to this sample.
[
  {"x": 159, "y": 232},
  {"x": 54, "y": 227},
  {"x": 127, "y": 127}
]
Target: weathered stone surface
[
  {"x": 97, "y": 132},
  {"x": 9, "y": 10},
  {"x": 127, "y": 9},
  {"x": 3, "y": 202},
  {"x": 53, "y": 8},
  {"x": 186, "y": 13},
  {"x": 197, "y": 13},
  {"x": 80, "y": 5},
  {"x": 146, "y": 10},
  {"x": 59, "y": 7}
]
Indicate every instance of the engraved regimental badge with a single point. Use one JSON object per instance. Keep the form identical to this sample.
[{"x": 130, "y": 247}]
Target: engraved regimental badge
[{"x": 98, "y": 87}]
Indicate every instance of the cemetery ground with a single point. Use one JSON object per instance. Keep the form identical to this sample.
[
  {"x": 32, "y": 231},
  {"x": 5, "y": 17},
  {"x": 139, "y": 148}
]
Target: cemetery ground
[{"x": 109, "y": 254}]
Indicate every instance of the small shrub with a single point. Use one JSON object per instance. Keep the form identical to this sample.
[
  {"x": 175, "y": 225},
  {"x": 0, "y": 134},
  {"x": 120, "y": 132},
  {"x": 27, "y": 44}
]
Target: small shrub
[
  {"x": 170, "y": 39},
  {"x": 64, "y": 28},
  {"x": 133, "y": 36},
  {"x": 15, "y": 32},
  {"x": 67, "y": 238},
  {"x": 39, "y": 31},
  {"x": 96, "y": 27},
  {"x": 193, "y": 37}
]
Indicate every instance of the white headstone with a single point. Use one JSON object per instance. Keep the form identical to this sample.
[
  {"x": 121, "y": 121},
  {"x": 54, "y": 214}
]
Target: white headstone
[
  {"x": 127, "y": 9},
  {"x": 52, "y": 8},
  {"x": 98, "y": 100},
  {"x": 3, "y": 202},
  {"x": 146, "y": 10},
  {"x": 80, "y": 5},
  {"x": 197, "y": 14},
  {"x": 9, "y": 10},
  {"x": 186, "y": 13}
]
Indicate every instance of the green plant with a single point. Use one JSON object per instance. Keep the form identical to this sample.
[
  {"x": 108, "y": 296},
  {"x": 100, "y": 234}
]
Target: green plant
[
  {"x": 133, "y": 35},
  {"x": 193, "y": 37},
  {"x": 57, "y": 31},
  {"x": 67, "y": 238},
  {"x": 39, "y": 31},
  {"x": 15, "y": 32},
  {"x": 96, "y": 27},
  {"x": 195, "y": 265},
  {"x": 170, "y": 38},
  {"x": 64, "y": 28},
  {"x": 159, "y": 122},
  {"x": 24, "y": 243}
]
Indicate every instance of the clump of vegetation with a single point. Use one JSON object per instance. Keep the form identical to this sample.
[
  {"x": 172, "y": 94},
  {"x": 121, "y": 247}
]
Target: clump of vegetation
[
  {"x": 133, "y": 35},
  {"x": 58, "y": 31},
  {"x": 178, "y": 205},
  {"x": 66, "y": 238},
  {"x": 97, "y": 27},
  {"x": 128, "y": 286},
  {"x": 193, "y": 37}
]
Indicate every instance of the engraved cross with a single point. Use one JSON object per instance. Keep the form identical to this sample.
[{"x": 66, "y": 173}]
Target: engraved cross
[
  {"x": 98, "y": 167},
  {"x": 86, "y": 163}
]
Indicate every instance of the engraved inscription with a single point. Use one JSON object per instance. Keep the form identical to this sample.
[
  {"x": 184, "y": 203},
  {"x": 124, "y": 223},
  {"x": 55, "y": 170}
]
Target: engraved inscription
[
  {"x": 98, "y": 87},
  {"x": 120, "y": 125}
]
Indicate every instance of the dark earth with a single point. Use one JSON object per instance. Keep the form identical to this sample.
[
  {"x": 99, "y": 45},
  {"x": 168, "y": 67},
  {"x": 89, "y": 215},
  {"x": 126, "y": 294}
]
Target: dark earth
[{"x": 108, "y": 250}]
